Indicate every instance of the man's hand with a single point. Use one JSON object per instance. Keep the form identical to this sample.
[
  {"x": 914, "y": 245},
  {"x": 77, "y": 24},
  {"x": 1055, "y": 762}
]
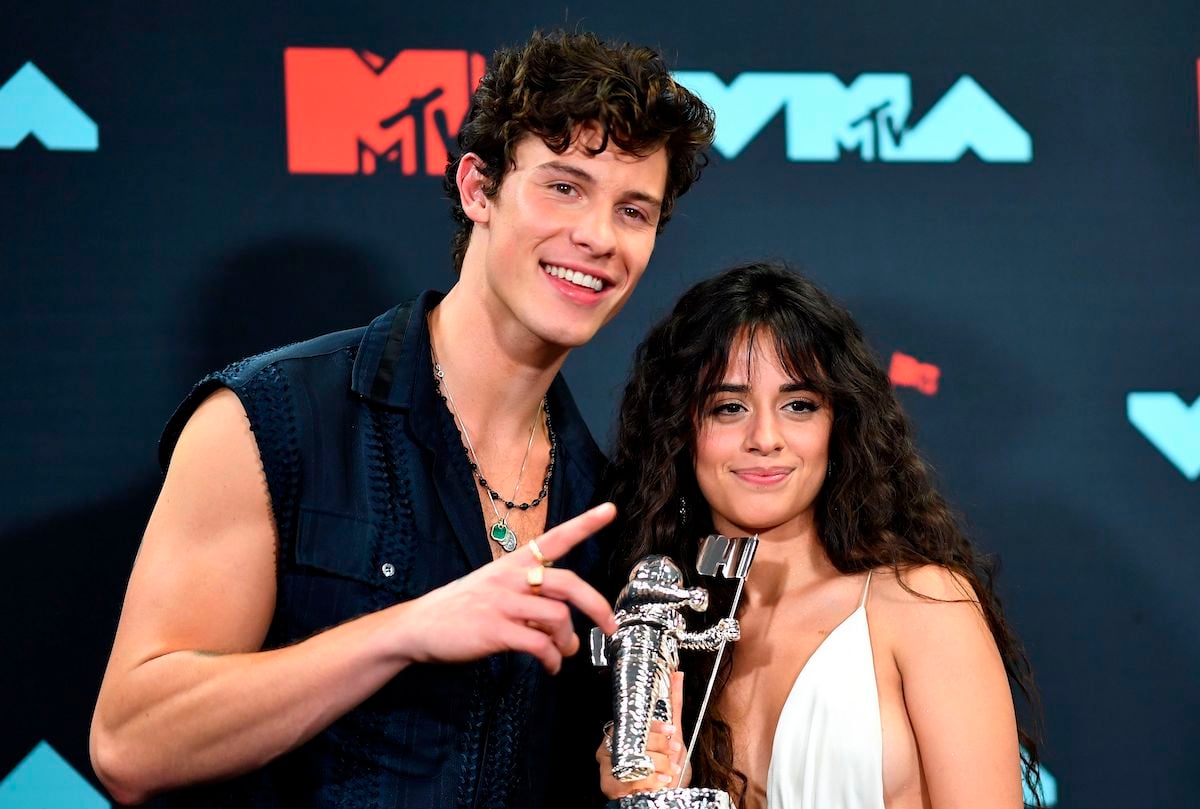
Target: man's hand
[{"x": 494, "y": 609}]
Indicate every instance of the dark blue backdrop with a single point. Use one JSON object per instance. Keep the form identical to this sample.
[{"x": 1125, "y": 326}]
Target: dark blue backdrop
[{"x": 1046, "y": 291}]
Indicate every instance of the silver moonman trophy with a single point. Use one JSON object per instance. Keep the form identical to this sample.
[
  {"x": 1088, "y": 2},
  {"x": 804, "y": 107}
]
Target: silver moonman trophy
[{"x": 644, "y": 652}]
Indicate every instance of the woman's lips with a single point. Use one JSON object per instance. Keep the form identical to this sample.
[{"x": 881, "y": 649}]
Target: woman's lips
[{"x": 763, "y": 476}]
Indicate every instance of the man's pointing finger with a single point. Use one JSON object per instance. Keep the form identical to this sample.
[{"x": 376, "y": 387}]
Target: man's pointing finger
[{"x": 555, "y": 543}]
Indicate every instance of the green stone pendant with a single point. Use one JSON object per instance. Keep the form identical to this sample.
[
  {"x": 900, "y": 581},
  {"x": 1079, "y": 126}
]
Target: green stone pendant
[{"x": 504, "y": 535}]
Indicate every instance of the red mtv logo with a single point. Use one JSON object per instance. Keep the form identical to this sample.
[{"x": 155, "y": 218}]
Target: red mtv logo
[
  {"x": 346, "y": 111},
  {"x": 909, "y": 372}
]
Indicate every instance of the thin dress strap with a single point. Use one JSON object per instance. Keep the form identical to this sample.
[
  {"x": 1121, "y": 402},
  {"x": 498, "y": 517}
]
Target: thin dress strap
[{"x": 866, "y": 588}]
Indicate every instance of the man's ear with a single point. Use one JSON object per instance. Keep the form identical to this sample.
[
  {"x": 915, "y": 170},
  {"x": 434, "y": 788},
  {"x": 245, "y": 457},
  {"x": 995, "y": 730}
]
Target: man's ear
[{"x": 471, "y": 182}]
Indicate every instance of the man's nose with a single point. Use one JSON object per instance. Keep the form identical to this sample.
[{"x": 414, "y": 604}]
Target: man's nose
[{"x": 594, "y": 231}]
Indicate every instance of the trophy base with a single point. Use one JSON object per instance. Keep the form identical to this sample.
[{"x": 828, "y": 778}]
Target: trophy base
[{"x": 692, "y": 798}]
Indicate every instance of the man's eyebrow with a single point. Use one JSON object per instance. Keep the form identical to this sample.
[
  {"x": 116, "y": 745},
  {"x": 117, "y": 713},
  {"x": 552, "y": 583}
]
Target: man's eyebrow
[
  {"x": 642, "y": 196},
  {"x": 585, "y": 177},
  {"x": 567, "y": 168}
]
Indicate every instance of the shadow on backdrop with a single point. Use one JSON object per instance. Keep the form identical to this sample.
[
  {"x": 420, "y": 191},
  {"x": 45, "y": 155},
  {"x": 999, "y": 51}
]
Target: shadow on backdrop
[{"x": 63, "y": 601}]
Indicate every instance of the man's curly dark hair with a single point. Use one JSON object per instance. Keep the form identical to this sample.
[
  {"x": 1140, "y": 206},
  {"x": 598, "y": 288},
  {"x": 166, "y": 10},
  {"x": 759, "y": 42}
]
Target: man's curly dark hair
[{"x": 556, "y": 82}]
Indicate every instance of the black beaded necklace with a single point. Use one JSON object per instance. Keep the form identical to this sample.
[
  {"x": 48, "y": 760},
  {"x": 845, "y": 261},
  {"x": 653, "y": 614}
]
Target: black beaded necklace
[{"x": 500, "y": 532}]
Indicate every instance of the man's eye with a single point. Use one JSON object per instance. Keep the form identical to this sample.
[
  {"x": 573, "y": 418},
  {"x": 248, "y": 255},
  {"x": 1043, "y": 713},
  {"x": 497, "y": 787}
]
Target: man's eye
[
  {"x": 564, "y": 188},
  {"x": 634, "y": 213}
]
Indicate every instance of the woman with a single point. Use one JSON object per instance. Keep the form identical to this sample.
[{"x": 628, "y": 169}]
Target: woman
[{"x": 874, "y": 662}]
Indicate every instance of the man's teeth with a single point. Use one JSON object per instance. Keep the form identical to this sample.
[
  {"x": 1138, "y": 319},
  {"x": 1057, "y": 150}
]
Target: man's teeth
[{"x": 581, "y": 279}]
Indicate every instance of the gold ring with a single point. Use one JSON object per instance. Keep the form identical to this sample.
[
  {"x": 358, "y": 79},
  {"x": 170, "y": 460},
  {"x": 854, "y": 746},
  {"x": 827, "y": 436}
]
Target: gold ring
[
  {"x": 534, "y": 577},
  {"x": 537, "y": 554}
]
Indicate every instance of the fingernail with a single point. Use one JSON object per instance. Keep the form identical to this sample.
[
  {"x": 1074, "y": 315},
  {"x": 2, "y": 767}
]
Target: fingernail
[
  {"x": 676, "y": 769},
  {"x": 666, "y": 779},
  {"x": 668, "y": 729},
  {"x": 676, "y": 747}
]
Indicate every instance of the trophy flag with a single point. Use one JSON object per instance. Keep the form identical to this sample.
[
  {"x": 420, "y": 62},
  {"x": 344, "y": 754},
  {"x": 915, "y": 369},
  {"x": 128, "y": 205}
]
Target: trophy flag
[{"x": 731, "y": 558}]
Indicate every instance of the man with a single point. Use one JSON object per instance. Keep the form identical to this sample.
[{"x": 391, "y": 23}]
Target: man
[{"x": 336, "y": 597}]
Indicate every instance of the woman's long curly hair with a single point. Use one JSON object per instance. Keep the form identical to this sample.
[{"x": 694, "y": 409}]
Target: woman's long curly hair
[{"x": 878, "y": 506}]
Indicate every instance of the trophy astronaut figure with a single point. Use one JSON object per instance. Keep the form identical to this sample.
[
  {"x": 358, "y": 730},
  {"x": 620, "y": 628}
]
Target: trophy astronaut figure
[{"x": 644, "y": 652}]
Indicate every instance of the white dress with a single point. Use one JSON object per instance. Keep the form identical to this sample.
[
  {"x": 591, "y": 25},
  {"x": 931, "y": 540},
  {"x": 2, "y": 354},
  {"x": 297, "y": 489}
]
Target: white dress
[{"x": 828, "y": 746}]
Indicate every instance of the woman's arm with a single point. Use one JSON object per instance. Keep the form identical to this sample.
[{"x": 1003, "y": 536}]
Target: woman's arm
[{"x": 956, "y": 693}]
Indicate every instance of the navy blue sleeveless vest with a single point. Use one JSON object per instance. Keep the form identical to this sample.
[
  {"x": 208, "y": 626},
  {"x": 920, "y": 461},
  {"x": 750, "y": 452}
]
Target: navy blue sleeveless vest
[{"x": 375, "y": 504}]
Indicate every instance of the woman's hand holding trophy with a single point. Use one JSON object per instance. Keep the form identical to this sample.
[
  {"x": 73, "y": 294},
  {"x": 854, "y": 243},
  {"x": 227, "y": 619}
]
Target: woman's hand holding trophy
[{"x": 642, "y": 759}]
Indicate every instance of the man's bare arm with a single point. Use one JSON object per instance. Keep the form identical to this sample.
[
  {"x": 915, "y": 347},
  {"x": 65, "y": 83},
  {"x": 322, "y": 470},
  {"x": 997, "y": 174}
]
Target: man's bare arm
[{"x": 188, "y": 696}]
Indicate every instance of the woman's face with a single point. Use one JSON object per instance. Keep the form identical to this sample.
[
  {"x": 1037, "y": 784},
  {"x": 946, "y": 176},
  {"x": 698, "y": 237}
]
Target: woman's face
[{"x": 762, "y": 450}]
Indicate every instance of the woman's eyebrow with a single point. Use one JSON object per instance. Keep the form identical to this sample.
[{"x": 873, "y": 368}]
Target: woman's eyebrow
[{"x": 787, "y": 387}]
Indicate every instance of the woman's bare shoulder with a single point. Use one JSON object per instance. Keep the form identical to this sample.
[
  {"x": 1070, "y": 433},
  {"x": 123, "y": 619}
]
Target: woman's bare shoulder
[
  {"x": 922, "y": 605},
  {"x": 921, "y": 584}
]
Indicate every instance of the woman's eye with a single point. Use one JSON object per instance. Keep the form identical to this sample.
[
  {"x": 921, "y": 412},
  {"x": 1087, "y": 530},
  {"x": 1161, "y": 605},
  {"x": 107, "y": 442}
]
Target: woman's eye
[
  {"x": 802, "y": 406},
  {"x": 727, "y": 408}
]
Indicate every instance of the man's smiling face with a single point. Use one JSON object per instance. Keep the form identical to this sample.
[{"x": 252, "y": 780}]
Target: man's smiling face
[{"x": 569, "y": 235}]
